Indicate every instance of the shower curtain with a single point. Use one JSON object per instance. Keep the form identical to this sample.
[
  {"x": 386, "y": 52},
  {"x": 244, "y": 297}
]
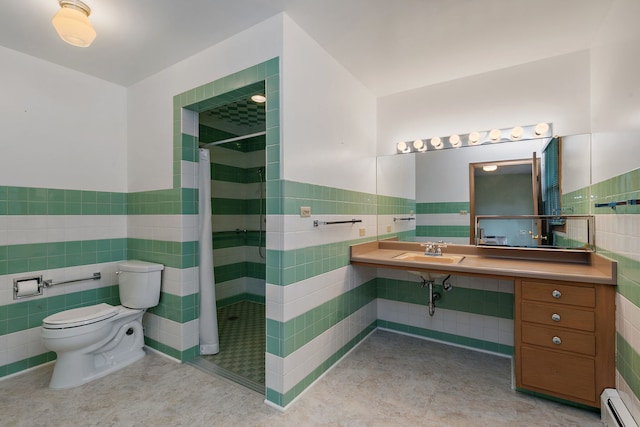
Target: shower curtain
[{"x": 208, "y": 317}]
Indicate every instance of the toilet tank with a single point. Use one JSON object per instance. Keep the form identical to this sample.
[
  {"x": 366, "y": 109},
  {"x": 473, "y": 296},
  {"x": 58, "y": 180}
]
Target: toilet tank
[{"x": 139, "y": 283}]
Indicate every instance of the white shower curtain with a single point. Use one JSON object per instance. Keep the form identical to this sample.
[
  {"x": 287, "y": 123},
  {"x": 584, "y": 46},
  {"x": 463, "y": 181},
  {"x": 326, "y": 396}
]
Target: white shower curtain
[{"x": 208, "y": 317}]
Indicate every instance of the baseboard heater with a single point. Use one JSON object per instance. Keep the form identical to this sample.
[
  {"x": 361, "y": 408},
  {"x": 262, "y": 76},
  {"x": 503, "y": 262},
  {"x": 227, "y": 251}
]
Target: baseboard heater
[{"x": 614, "y": 412}]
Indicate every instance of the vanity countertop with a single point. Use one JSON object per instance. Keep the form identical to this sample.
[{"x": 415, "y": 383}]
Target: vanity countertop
[{"x": 573, "y": 266}]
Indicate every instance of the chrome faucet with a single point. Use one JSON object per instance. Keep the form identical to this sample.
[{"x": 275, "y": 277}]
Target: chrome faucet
[{"x": 434, "y": 249}]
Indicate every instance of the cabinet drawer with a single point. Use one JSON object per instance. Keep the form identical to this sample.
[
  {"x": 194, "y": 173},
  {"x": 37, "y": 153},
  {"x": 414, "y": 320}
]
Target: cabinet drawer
[
  {"x": 560, "y": 373},
  {"x": 559, "y": 315},
  {"x": 557, "y": 293},
  {"x": 559, "y": 339}
]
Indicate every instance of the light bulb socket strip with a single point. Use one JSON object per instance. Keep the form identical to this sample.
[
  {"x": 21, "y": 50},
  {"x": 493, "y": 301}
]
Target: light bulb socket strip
[{"x": 493, "y": 136}]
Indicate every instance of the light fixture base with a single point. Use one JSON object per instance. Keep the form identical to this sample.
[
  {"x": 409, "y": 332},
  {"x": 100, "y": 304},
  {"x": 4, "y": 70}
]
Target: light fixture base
[{"x": 76, "y": 4}]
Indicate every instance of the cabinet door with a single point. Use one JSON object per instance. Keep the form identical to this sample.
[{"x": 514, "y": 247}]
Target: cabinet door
[{"x": 559, "y": 373}]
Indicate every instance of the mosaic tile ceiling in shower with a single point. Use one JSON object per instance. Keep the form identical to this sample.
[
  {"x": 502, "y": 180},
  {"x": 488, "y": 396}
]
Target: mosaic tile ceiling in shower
[{"x": 233, "y": 114}]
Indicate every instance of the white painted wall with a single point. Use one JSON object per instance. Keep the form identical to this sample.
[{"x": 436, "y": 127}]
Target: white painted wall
[
  {"x": 150, "y": 102},
  {"x": 615, "y": 67},
  {"x": 553, "y": 90},
  {"x": 60, "y": 128},
  {"x": 328, "y": 118}
]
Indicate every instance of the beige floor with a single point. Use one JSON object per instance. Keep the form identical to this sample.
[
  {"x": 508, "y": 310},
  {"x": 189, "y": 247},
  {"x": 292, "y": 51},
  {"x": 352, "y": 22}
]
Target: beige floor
[{"x": 389, "y": 380}]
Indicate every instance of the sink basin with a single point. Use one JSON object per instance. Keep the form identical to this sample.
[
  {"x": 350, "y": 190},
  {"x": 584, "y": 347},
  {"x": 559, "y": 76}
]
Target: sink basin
[{"x": 429, "y": 259}]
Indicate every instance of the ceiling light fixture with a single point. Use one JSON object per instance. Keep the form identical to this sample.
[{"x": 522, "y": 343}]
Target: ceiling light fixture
[
  {"x": 72, "y": 23},
  {"x": 490, "y": 168},
  {"x": 260, "y": 99}
]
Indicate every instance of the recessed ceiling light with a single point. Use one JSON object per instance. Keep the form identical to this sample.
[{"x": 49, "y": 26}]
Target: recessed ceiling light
[
  {"x": 260, "y": 99},
  {"x": 490, "y": 168}
]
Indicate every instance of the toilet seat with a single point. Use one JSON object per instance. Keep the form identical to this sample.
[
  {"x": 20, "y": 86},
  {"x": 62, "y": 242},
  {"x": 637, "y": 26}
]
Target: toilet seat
[{"x": 79, "y": 316}]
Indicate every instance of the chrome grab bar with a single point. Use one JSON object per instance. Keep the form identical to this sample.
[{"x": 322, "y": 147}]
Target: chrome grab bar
[{"x": 49, "y": 283}]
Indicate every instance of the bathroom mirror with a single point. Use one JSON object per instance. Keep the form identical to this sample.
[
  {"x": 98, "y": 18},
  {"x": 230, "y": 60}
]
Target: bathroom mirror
[
  {"x": 432, "y": 188},
  {"x": 505, "y": 188}
]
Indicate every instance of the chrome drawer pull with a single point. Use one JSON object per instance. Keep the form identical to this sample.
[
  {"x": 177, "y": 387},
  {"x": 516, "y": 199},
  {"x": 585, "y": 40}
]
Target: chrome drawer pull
[
  {"x": 557, "y": 340},
  {"x": 555, "y": 317},
  {"x": 556, "y": 294}
]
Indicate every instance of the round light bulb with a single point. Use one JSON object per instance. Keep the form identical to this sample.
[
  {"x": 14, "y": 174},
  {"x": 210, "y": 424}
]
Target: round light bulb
[
  {"x": 474, "y": 138},
  {"x": 418, "y": 144},
  {"x": 455, "y": 141},
  {"x": 516, "y": 133},
  {"x": 436, "y": 142},
  {"x": 541, "y": 129},
  {"x": 402, "y": 146},
  {"x": 495, "y": 135}
]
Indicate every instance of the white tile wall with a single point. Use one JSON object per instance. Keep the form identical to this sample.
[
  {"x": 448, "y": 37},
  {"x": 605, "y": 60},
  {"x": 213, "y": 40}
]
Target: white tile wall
[
  {"x": 300, "y": 232},
  {"x": 25, "y": 229},
  {"x": 180, "y": 336}
]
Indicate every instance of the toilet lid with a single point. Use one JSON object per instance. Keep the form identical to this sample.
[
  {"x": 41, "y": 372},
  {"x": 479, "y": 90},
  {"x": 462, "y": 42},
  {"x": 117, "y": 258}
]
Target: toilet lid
[{"x": 80, "y": 316}]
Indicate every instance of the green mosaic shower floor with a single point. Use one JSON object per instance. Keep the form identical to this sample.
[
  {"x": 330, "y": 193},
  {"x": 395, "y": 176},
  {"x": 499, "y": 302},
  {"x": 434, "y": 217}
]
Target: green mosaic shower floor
[{"x": 241, "y": 331}]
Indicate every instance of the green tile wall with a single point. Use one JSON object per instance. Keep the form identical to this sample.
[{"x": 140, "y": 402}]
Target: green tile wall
[
  {"x": 442, "y": 207},
  {"x": 176, "y": 308},
  {"x": 29, "y": 314},
  {"x": 447, "y": 337},
  {"x": 283, "y": 399},
  {"x": 171, "y": 254},
  {"x": 628, "y": 363},
  {"x": 49, "y": 201},
  {"x": 322, "y": 200},
  {"x": 287, "y": 267},
  {"x": 476, "y": 301},
  {"x": 45, "y": 256},
  {"x": 283, "y": 338},
  {"x": 224, "y": 273},
  {"x": 387, "y": 205}
]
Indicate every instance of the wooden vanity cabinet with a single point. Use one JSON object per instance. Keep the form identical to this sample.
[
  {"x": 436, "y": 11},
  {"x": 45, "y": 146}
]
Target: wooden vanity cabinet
[{"x": 565, "y": 339}]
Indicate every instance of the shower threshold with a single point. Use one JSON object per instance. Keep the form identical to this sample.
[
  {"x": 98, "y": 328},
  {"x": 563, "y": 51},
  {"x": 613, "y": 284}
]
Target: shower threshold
[{"x": 216, "y": 370}]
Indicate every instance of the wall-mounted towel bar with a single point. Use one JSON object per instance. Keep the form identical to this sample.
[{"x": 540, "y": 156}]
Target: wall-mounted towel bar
[
  {"x": 236, "y": 231},
  {"x": 613, "y": 205},
  {"x": 49, "y": 283},
  {"x": 316, "y": 223},
  {"x": 403, "y": 219}
]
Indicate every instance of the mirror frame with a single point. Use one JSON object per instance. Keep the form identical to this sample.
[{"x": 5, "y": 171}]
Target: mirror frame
[{"x": 535, "y": 183}]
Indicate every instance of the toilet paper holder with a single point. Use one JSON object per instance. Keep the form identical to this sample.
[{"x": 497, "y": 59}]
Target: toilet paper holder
[{"x": 23, "y": 287}]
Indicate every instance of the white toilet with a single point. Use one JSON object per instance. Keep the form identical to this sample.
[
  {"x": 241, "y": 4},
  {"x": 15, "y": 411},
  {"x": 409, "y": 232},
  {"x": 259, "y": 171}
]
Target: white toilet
[{"x": 94, "y": 341}]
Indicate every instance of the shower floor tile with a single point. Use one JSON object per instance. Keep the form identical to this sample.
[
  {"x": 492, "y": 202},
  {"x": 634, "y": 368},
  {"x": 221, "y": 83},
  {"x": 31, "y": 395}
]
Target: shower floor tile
[{"x": 241, "y": 331}]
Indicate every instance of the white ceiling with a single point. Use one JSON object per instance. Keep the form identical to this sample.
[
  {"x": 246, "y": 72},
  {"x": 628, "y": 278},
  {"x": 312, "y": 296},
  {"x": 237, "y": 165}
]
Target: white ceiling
[{"x": 389, "y": 45}]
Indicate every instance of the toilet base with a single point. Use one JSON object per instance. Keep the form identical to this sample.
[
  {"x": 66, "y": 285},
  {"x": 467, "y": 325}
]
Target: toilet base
[{"x": 76, "y": 368}]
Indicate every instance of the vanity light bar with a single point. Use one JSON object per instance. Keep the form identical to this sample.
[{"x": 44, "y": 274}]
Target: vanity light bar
[{"x": 493, "y": 136}]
